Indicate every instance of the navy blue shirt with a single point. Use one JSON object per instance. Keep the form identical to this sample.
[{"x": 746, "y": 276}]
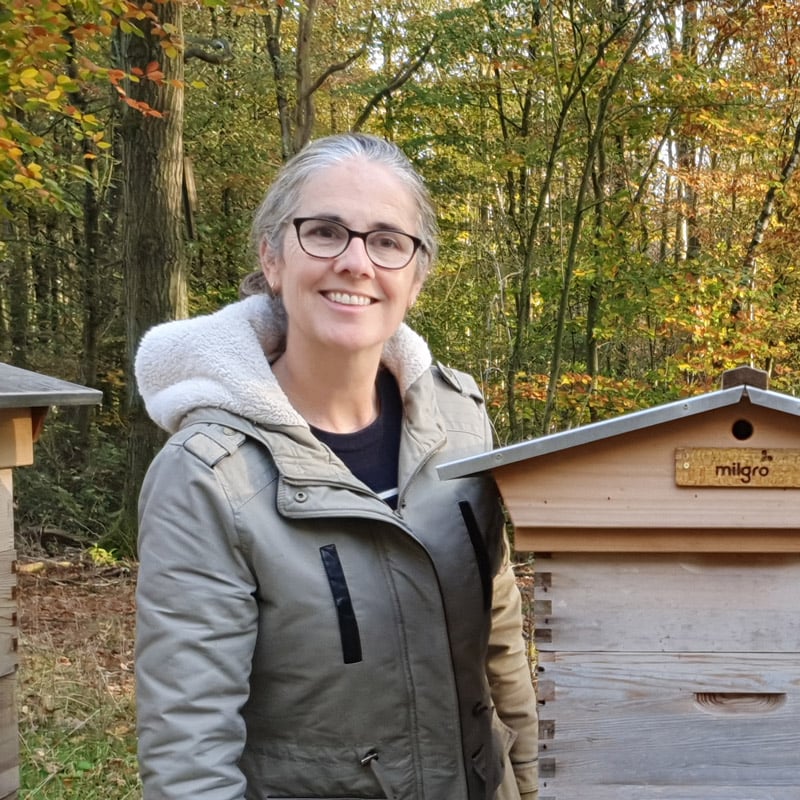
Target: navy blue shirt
[{"x": 372, "y": 453}]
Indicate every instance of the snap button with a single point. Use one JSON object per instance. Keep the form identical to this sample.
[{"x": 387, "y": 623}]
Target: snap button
[
  {"x": 479, "y": 708},
  {"x": 229, "y": 431},
  {"x": 301, "y": 496}
]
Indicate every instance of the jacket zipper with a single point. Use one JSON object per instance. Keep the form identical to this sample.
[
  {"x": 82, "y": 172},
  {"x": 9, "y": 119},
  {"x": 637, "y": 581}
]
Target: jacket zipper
[
  {"x": 402, "y": 492},
  {"x": 370, "y": 759}
]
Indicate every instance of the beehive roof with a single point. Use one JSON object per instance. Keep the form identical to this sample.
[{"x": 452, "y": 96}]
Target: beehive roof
[
  {"x": 627, "y": 423},
  {"x": 21, "y": 388}
]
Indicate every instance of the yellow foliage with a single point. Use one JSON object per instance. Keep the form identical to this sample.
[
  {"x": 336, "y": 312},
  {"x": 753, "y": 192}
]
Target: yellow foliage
[
  {"x": 32, "y": 568},
  {"x": 101, "y": 557}
]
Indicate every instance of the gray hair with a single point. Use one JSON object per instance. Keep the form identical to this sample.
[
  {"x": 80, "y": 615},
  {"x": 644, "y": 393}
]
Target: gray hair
[{"x": 273, "y": 216}]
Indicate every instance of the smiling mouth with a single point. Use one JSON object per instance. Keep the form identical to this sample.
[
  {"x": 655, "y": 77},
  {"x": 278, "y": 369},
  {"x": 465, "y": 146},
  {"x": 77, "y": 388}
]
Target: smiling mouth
[{"x": 346, "y": 299}]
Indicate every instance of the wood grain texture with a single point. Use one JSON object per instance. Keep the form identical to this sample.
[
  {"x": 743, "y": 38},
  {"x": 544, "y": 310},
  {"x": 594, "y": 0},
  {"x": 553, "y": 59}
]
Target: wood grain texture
[
  {"x": 656, "y": 540},
  {"x": 8, "y": 620},
  {"x": 634, "y": 720},
  {"x": 16, "y": 437},
  {"x": 738, "y": 467},
  {"x": 8, "y": 606},
  {"x": 670, "y": 603},
  {"x": 9, "y": 750},
  {"x": 6, "y": 510},
  {"x": 628, "y": 483},
  {"x": 762, "y": 791},
  {"x": 9, "y": 772}
]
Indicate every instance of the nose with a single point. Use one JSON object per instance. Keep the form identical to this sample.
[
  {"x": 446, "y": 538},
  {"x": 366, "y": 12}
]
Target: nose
[{"x": 354, "y": 259}]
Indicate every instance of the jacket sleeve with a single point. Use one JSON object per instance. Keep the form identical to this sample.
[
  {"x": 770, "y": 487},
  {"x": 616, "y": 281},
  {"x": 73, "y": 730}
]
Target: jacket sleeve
[
  {"x": 196, "y": 629},
  {"x": 509, "y": 677},
  {"x": 509, "y": 674}
]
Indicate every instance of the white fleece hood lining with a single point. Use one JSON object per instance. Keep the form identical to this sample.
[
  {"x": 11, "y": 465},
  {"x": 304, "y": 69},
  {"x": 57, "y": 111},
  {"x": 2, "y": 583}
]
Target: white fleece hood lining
[{"x": 221, "y": 360}]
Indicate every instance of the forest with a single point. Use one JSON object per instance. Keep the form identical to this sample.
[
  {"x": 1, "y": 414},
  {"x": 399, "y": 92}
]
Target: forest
[{"x": 615, "y": 183}]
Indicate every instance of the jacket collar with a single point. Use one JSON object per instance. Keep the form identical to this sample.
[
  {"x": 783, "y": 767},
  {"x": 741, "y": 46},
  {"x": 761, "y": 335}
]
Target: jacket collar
[{"x": 222, "y": 360}]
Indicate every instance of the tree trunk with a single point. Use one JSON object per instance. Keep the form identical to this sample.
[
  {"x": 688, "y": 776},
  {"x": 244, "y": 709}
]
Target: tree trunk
[
  {"x": 19, "y": 311},
  {"x": 89, "y": 261},
  {"x": 687, "y": 245},
  {"x": 304, "y": 107},
  {"x": 606, "y": 97},
  {"x": 152, "y": 239}
]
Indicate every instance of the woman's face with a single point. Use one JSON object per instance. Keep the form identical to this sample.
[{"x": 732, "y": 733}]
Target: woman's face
[{"x": 346, "y": 303}]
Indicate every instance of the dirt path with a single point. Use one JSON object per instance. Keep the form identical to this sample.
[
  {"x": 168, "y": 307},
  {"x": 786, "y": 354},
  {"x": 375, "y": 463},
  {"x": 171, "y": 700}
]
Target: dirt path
[{"x": 73, "y": 607}]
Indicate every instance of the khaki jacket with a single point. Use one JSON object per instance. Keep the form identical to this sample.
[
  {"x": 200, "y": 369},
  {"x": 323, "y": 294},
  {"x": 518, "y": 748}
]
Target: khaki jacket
[{"x": 296, "y": 637}]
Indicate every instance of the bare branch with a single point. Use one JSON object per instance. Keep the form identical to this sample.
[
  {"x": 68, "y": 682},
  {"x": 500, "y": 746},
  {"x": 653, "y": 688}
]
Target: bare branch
[
  {"x": 343, "y": 65},
  {"x": 769, "y": 204},
  {"x": 402, "y": 77},
  {"x": 212, "y": 51}
]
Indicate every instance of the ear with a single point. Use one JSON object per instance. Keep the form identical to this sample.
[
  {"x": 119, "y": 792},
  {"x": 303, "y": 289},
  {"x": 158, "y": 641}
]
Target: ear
[
  {"x": 270, "y": 266},
  {"x": 413, "y": 294}
]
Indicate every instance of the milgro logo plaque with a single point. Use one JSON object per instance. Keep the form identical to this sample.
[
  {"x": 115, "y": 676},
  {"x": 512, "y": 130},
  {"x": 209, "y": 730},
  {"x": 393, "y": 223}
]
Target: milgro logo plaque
[{"x": 774, "y": 468}]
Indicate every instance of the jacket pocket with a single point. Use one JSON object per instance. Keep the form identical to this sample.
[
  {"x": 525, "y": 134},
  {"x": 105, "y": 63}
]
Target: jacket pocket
[
  {"x": 348, "y": 624},
  {"x": 481, "y": 554},
  {"x": 491, "y": 761},
  {"x": 286, "y": 770}
]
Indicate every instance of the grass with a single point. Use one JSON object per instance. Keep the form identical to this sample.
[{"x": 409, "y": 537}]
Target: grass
[
  {"x": 75, "y": 692},
  {"x": 75, "y": 689}
]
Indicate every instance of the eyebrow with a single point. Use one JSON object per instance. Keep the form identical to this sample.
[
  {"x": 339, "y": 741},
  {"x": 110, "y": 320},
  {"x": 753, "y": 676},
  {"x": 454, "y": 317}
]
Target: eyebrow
[{"x": 379, "y": 226}]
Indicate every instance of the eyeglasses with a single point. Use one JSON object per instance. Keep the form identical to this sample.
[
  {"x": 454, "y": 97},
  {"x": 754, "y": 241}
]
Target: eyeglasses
[{"x": 323, "y": 238}]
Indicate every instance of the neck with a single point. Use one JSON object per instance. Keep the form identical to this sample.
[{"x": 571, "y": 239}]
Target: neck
[{"x": 336, "y": 395}]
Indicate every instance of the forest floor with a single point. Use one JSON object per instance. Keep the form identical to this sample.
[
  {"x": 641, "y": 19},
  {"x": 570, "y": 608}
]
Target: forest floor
[
  {"x": 75, "y": 688},
  {"x": 75, "y": 682}
]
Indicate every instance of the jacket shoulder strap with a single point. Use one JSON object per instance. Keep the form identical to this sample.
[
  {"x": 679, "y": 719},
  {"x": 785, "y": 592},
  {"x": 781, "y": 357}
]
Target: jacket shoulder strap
[
  {"x": 461, "y": 382},
  {"x": 211, "y": 442}
]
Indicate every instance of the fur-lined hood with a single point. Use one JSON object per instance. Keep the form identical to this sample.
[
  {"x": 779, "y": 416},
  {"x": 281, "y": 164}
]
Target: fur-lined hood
[{"x": 222, "y": 360}]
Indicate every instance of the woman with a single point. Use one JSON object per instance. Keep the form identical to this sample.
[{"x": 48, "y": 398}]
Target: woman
[{"x": 316, "y": 616}]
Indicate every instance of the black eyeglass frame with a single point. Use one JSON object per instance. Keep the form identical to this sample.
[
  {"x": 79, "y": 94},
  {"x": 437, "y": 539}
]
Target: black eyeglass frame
[{"x": 351, "y": 234}]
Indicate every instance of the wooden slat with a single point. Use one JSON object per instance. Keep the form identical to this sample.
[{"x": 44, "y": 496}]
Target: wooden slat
[
  {"x": 547, "y": 729},
  {"x": 16, "y": 437},
  {"x": 9, "y": 749},
  {"x": 6, "y": 510},
  {"x": 8, "y": 607},
  {"x": 9, "y": 778},
  {"x": 764, "y": 791},
  {"x": 542, "y": 608},
  {"x": 541, "y": 579},
  {"x": 9, "y": 759},
  {"x": 546, "y": 691},
  {"x": 660, "y": 540},
  {"x": 745, "y": 376},
  {"x": 547, "y": 767},
  {"x": 634, "y": 720},
  {"x": 674, "y": 603},
  {"x": 684, "y": 603},
  {"x": 628, "y": 483}
]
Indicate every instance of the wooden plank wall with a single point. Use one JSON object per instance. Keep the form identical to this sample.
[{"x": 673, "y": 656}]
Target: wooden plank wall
[
  {"x": 626, "y": 485},
  {"x": 9, "y": 749},
  {"x": 653, "y": 602},
  {"x": 669, "y": 676}
]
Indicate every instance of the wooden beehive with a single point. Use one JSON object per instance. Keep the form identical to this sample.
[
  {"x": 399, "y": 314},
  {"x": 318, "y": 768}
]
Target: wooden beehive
[
  {"x": 25, "y": 398},
  {"x": 667, "y": 582}
]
